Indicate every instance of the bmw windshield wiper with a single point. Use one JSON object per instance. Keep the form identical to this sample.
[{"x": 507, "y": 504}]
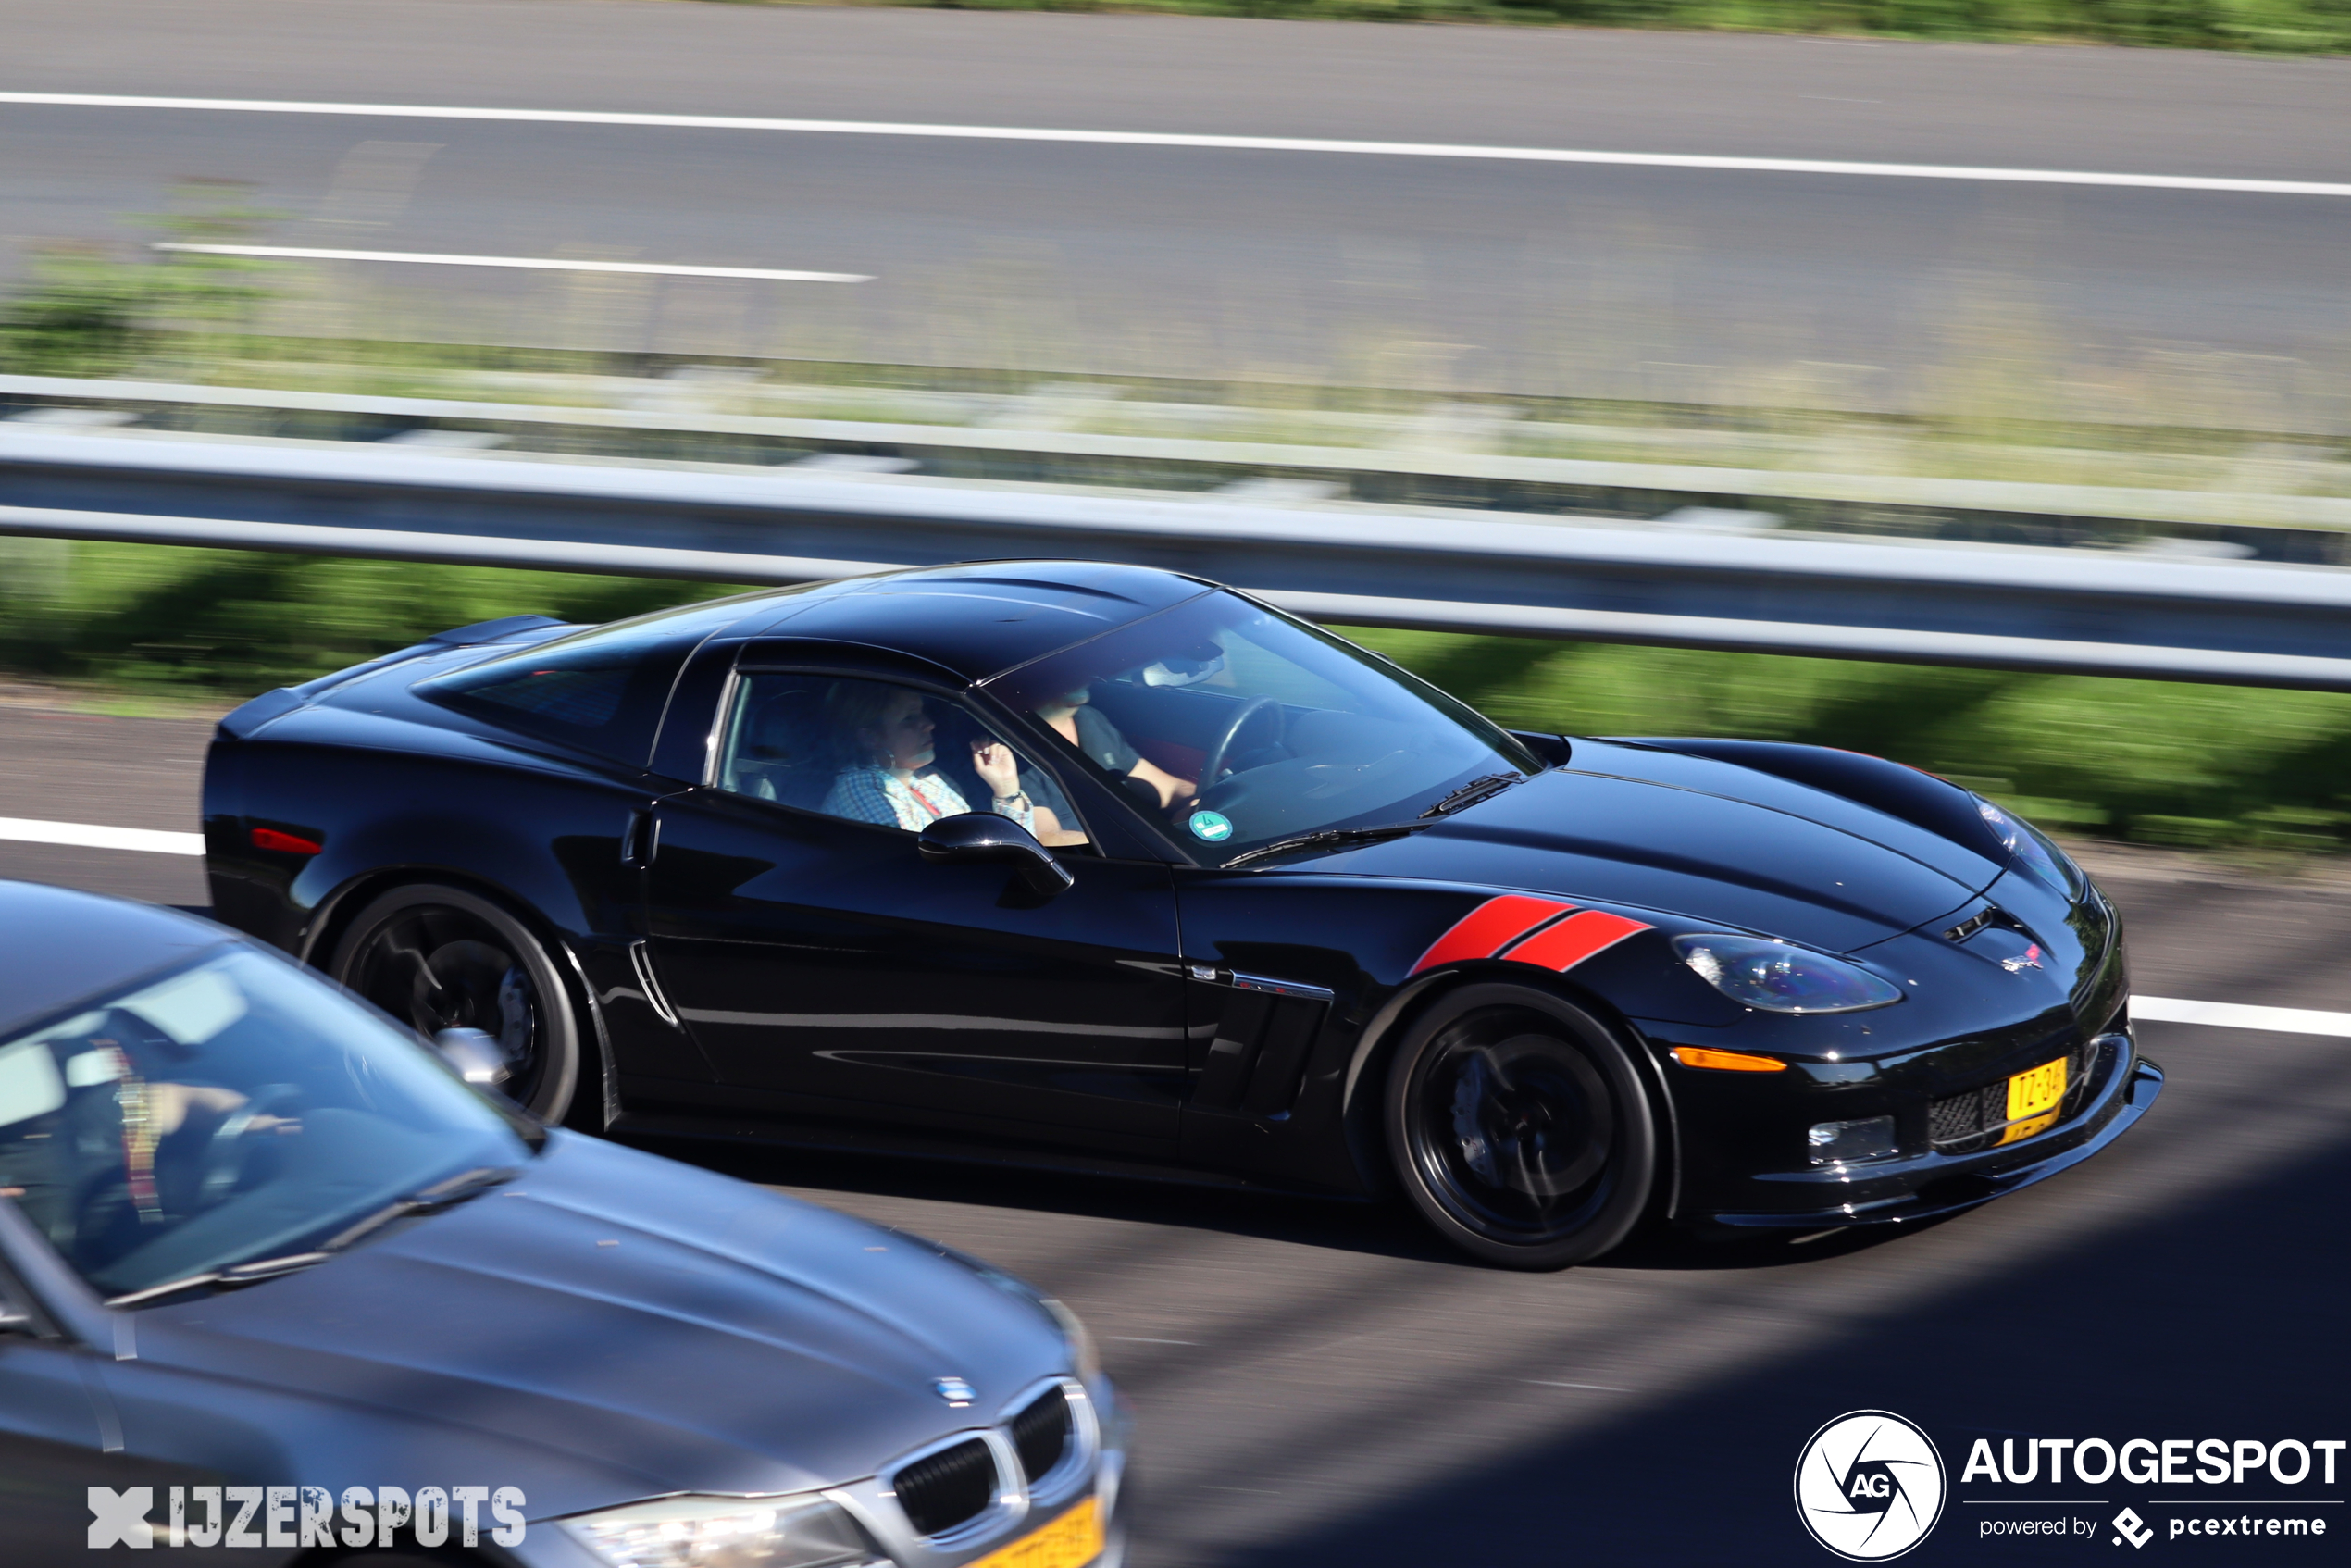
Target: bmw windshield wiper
[
  {"x": 440, "y": 1195},
  {"x": 1328, "y": 838},
  {"x": 1473, "y": 791},
  {"x": 236, "y": 1274}
]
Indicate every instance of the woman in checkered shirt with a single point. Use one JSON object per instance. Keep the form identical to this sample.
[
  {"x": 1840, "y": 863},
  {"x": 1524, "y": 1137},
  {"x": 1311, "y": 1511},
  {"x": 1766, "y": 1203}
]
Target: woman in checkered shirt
[{"x": 885, "y": 738}]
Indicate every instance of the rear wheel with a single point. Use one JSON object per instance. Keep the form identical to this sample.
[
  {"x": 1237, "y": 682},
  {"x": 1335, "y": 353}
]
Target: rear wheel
[
  {"x": 443, "y": 958},
  {"x": 1520, "y": 1129}
]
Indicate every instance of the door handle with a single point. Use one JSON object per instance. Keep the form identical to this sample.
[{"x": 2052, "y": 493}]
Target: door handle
[{"x": 639, "y": 840}]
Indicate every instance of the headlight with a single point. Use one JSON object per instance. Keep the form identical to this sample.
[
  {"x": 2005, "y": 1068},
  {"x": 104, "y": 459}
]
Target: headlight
[
  {"x": 2026, "y": 842},
  {"x": 774, "y": 1532},
  {"x": 1782, "y": 978}
]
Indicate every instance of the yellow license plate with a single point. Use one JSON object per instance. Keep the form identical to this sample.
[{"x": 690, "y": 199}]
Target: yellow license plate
[
  {"x": 1071, "y": 1541},
  {"x": 2034, "y": 1097}
]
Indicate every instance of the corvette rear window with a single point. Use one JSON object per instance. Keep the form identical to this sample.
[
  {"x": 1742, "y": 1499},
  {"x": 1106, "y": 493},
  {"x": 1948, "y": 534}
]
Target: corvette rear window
[{"x": 600, "y": 690}]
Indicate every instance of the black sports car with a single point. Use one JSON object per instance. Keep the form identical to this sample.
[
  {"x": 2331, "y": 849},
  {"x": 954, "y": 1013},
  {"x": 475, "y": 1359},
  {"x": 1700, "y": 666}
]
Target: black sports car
[{"x": 1115, "y": 868}]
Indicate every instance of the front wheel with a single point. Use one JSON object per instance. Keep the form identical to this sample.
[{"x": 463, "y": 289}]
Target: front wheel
[
  {"x": 1520, "y": 1129},
  {"x": 443, "y": 958}
]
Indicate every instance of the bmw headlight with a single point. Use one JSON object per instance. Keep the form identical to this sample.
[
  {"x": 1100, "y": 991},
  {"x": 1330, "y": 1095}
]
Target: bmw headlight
[
  {"x": 705, "y": 1532},
  {"x": 1782, "y": 978}
]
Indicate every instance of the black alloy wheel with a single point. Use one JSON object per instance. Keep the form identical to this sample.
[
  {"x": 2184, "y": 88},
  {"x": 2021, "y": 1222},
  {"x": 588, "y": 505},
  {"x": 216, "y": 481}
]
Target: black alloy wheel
[
  {"x": 1520, "y": 1129},
  {"x": 441, "y": 958}
]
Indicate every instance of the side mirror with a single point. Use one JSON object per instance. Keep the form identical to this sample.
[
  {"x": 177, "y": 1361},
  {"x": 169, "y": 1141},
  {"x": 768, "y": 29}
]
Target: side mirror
[
  {"x": 476, "y": 1057},
  {"x": 982, "y": 835}
]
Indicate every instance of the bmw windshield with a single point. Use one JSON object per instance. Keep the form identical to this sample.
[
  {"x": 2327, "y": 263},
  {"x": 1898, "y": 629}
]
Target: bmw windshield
[
  {"x": 1242, "y": 729},
  {"x": 231, "y": 1111}
]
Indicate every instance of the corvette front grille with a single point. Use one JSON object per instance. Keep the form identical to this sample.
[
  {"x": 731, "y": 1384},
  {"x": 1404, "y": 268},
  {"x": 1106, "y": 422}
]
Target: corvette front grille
[
  {"x": 944, "y": 1489},
  {"x": 1040, "y": 1434},
  {"x": 1971, "y": 1120}
]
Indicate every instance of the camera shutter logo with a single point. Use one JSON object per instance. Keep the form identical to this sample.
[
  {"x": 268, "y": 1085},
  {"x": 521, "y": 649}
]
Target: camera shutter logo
[{"x": 1869, "y": 1486}]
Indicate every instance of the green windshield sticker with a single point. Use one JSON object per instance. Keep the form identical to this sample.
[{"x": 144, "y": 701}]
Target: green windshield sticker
[{"x": 1212, "y": 825}]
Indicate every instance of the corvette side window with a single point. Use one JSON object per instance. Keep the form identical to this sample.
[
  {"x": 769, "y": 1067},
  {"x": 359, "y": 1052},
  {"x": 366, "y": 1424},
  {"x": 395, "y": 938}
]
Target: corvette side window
[
  {"x": 877, "y": 752},
  {"x": 601, "y": 691}
]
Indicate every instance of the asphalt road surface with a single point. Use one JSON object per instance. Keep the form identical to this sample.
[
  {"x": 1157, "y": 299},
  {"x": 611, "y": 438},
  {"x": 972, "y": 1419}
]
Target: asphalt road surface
[
  {"x": 1318, "y": 1384},
  {"x": 1711, "y": 284}
]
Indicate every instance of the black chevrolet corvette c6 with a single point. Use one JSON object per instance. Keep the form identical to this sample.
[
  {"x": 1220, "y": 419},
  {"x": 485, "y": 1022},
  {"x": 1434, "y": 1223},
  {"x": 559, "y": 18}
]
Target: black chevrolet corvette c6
[{"x": 1113, "y": 868}]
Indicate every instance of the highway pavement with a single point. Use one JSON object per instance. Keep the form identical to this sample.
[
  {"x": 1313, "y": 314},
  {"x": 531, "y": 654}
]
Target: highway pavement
[
  {"x": 1318, "y": 1384},
  {"x": 1714, "y": 284}
]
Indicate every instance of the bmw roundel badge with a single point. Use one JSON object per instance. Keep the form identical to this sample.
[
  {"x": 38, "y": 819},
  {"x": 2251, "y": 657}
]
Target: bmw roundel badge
[
  {"x": 956, "y": 1391},
  {"x": 1212, "y": 825}
]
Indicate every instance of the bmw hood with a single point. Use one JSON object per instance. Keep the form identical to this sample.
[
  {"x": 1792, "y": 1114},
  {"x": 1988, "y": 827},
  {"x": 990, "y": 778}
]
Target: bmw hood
[
  {"x": 1713, "y": 842},
  {"x": 609, "y": 1326}
]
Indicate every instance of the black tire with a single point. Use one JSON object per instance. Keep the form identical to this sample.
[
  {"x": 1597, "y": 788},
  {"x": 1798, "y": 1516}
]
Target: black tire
[
  {"x": 1519, "y": 1127},
  {"x": 438, "y": 957}
]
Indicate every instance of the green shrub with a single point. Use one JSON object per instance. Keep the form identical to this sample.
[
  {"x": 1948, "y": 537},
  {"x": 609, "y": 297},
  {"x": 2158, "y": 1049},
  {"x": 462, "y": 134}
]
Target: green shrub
[{"x": 2160, "y": 762}]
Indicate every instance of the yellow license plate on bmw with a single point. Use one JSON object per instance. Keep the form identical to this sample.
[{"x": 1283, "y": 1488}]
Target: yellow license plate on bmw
[
  {"x": 2034, "y": 1097},
  {"x": 1071, "y": 1541}
]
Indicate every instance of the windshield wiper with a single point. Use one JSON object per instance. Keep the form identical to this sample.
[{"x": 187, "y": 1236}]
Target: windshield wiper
[
  {"x": 1473, "y": 791},
  {"x": 236, "y": 1274},
  {"x": 1327, "y": 838},
  {"x": 440, "y": 1195}
]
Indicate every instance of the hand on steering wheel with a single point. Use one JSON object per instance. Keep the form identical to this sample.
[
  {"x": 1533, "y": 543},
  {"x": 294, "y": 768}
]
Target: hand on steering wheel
[
  {"x": 1214, "y": 765},
  {"x": 266, "y": 1114}
]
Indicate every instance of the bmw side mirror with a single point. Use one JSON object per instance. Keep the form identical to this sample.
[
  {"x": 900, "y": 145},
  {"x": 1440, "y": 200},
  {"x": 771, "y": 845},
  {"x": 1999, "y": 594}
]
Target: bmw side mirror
[
  {"x": 473, "y": 1055},
  {"x": 979, "y": 837}
]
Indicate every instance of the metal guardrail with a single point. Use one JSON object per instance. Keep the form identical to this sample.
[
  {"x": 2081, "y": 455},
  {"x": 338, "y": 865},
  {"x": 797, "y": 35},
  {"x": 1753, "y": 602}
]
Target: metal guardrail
[
  {"x": 1519, "y": 482},
  {"x": 2023, "y": 608}
]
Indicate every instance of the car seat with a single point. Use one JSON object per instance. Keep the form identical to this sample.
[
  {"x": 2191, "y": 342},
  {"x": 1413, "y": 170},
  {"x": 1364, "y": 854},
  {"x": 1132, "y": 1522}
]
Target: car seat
[{"x": 780, "y": 754}]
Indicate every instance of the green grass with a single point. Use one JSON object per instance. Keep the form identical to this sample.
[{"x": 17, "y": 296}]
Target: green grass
[
  {"x": 2284, "y": 25},
  {"x": 2156, "y": 762}
]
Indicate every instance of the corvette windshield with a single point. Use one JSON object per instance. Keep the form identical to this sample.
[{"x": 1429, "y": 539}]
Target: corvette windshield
[
  {"x": 1242, "y": 727},
  {"x": 235, "y": 1110}
]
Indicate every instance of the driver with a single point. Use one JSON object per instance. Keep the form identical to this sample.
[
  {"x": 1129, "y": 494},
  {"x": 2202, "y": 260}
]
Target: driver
[
  {"x": 1073, "y": 718},
  {"x": 137, "y": 1138}
]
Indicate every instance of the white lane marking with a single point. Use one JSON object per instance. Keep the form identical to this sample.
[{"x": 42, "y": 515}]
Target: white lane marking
[
  {"x": 1172, "y": 139},
  {"x": 1142, "y": 1339},
  {"x": 89, "y": 836},
  {"x": 2145, "y": 1009},
  {"x": 1602, "y": 1387},
  {"x": 2237, "y": 1015},
  {"x": 541, "y": 263}
]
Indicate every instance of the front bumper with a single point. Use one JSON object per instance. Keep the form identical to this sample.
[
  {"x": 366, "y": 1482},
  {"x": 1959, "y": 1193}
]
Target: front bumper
[
  {"x": 1924, "y": 1187},
  {"x": 547, "y": 1544}
]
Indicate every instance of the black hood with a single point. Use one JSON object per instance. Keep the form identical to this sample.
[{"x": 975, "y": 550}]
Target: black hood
[
  {"x": 1711, "y": 841},
  {"x": 609, "y": 1326}
]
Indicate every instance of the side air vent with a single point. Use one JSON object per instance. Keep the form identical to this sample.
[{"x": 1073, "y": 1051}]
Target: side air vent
[
  {"x": 944, "y": 1489},
  {"x": 1257, "y": 1061},
  {"x": 1042, "y": 1434}
]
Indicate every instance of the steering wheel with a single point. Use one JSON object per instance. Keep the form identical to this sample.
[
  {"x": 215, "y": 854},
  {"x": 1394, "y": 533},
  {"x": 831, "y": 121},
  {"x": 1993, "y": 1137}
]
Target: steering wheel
[
  {"x": 1239, "y": 721},
  {"x": 224, "y": 1157}
]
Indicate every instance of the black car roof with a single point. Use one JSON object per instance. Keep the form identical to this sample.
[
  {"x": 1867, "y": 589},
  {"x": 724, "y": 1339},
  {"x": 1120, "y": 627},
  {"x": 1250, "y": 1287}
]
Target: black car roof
[
  {"x": 59, "y": 945},
  {"x": 978, "y": 619}
]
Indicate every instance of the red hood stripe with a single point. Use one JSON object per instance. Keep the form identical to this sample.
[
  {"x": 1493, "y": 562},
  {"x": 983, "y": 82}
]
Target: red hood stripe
[
  {"x": 1574, "y": 939},
  {"x": 1485, "y": 929}
]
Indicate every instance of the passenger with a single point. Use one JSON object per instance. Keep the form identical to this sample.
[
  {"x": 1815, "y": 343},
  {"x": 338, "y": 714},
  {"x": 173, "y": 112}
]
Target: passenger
[
  {"x": 884, "y": 738},
  {"x": 1075, "y": 720}
]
